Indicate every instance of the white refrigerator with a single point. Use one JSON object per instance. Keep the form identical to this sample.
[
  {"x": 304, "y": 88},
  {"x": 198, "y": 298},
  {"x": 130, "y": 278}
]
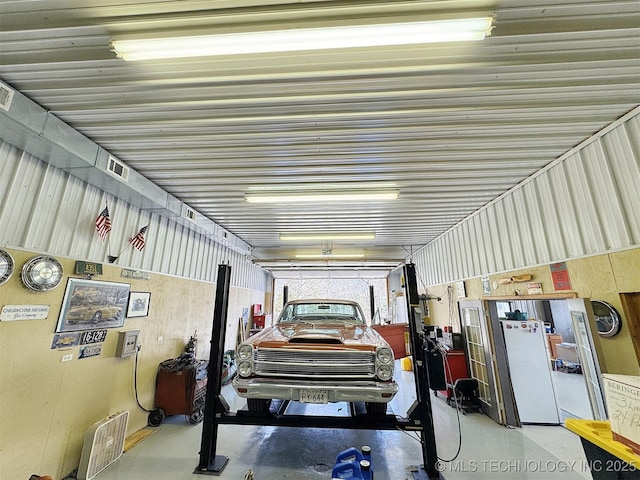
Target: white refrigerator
[{"x": 530, "y": 371}]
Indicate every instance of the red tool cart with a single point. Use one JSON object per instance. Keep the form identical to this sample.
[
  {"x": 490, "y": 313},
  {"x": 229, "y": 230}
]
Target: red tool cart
[{"x": 181, "y": 387}]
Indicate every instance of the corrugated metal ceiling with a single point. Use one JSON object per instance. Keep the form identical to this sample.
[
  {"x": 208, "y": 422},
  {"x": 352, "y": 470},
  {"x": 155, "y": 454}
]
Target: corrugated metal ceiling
[{"x": 450, "y": 126}]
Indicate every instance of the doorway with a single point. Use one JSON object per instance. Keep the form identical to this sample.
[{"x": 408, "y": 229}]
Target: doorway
[{"x": 567, "y": 352}]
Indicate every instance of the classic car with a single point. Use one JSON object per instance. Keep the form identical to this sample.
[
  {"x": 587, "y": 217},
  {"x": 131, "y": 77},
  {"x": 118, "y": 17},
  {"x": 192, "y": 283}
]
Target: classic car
[
  {"x": 318, "y": 351},
  {"x": 94, "y": 313}
]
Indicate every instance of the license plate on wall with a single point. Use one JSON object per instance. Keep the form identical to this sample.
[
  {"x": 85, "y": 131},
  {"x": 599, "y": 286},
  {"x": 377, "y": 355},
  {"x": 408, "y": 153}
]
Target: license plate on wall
[{"x": 308, "y": 395}]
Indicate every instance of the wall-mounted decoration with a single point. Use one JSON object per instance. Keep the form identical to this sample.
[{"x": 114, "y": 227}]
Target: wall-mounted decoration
[
  {"x": 486, "y": 285},
  {"x": 560, "y": 276},
  {"x": 534, "y": 288},
  {"x": 139, "y": 304},
  {"x": 88, "y": 268},
  {"x": 92, "y": 304},
  {"x": 137, "y": 274},
  {"x": 607, "y": 318},
  {"x": 87, "y": 351},
  {"x": 42, "y": 273},
  {"x": 515, "y": 279},
  {"x": 93, "y": 336},
  {"x": 6, "y": 266},
  {"x": 64, "y": 340},
  {"x": 11, "y": 313}
]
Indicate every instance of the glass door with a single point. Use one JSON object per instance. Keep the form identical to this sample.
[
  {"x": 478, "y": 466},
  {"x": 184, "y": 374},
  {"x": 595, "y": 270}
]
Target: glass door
[{"x": 479, "y": 354}]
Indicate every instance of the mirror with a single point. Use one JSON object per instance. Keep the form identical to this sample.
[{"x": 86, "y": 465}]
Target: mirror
[{"x": 608, "y": 321}]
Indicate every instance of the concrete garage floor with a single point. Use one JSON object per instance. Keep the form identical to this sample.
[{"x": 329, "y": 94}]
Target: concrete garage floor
[{"x": 489, "y": 451}]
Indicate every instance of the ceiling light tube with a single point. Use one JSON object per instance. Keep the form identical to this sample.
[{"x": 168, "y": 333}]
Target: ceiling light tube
[
  {"x": 437, "y": 31},
  {"x": 329, "y": 256},
  {"x": 320, "y": 197},
  {"x": 327, "y": 236}
]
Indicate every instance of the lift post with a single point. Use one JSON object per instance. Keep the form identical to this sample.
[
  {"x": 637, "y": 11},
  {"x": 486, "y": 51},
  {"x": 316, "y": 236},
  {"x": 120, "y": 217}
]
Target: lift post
[
  {"x": 210, "y": 463},
  {"x": 421, "y": 409}
]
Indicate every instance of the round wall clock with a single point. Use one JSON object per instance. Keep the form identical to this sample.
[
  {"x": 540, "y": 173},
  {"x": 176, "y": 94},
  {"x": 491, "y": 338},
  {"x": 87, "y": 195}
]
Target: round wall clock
[
  {"x": 608, "y": 321},
  {"x": 42, "y": 273},
  {"x": 6, "y": 266}
]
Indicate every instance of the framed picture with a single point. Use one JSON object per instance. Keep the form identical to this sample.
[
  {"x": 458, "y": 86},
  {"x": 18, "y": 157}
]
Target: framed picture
[
  {"x": 138, "y": 304},
  {"x": 91, "y": 304}
]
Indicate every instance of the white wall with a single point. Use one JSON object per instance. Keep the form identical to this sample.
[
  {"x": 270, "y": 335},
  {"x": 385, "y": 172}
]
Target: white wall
[
  {"x": 585, "y": 203},
  {"x": 45, "y": 209}
]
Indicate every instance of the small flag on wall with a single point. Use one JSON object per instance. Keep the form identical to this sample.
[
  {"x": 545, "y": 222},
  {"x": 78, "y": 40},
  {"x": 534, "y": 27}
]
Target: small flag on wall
[
  {"x": 138, "y": 240},
  {"x": 103, "y": 223}
]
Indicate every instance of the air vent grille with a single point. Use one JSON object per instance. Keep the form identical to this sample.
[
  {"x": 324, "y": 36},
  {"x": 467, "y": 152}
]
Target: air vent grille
[
  {"x": 118, "y": 169},
  {"x": 190, "y": 214},
  {"x": 6, "y": 97}
]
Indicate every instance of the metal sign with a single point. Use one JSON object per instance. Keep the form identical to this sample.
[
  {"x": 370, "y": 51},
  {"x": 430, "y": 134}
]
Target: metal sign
[
  {"x": 135, "y": 274},
  {"x": 88, "y": 268},
  {"x": 24, "y": 312},
  {"x": 90, "y": 350},
  {"x": 93, "y": 336}
]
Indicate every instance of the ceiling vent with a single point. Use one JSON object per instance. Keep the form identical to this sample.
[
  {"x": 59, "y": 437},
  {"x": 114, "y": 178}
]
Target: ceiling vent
[
  {"x": 6, "y": 97},
  {"x": 118, "y": 169},
  {"x": 190, "y": 214}
]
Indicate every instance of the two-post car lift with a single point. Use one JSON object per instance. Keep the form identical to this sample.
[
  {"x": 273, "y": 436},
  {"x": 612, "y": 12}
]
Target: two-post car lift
[{"x": 216, "y": 411}]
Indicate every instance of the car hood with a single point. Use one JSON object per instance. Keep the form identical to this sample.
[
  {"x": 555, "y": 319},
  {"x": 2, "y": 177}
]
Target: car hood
[{"x": 303, "y": 334}]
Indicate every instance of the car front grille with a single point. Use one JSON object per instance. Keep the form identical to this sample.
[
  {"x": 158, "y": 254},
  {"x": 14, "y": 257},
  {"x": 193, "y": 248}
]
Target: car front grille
[{"x": 284, "y": 362}]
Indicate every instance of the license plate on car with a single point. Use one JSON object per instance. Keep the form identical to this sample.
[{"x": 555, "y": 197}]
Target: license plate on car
[{"x": 314, "y": 396}]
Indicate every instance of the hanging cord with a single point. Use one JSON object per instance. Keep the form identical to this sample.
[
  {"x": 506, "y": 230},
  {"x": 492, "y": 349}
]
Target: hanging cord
[
  {"x": 135, "y": 381},
  {"x": 455, "y": 399}
]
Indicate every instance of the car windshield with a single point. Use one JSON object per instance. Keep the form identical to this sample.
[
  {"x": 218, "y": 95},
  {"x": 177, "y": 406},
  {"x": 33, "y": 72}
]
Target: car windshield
[{"x": 317, "y": 312}]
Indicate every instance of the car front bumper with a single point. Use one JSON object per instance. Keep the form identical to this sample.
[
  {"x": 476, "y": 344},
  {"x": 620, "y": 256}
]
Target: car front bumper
[{"x": 290, "y": 389}]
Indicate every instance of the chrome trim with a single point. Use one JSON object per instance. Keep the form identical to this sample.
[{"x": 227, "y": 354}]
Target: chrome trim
[
  {"x": 289, "y": 389},
  {"x": 305, "y": 363}
]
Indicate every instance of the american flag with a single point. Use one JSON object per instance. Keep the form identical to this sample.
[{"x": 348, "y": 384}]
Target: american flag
[
  {"x": 138, "y": 240},
  {"x": 103, "y": 223}
]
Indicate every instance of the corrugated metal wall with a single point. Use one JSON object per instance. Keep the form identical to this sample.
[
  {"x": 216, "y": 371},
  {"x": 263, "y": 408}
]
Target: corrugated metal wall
[
  {"x": 586, "y": 203},
  {"x": 45, "y": 209}
]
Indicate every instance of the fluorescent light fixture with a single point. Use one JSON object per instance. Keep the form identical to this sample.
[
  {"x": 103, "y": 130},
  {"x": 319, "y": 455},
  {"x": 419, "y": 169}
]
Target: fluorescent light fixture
[
  {"x": 330, "y": 256},
  {"x": 320, "y": 197},
  {"x": 327, "y": 236},
  {"x": 437, "y": 31}
]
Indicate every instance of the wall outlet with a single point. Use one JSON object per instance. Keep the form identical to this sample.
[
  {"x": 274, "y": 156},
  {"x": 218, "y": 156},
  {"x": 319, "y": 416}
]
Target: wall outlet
[
  {"x": 160, "y": 339},
  {"x": 67, "y": 358}
]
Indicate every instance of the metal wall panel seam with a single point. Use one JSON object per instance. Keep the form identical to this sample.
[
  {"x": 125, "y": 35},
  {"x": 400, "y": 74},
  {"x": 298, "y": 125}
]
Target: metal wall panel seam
[
  {"x": 574, "y": 216},
  {"x": 590, "y": 229},
  {"x": 550, "y": 215},
  {"x": 567, "y": 209},
  {"x": 607, "y": 207},
  {"x": 626, "y": 175},
  {"x": 525, "y": 227}
]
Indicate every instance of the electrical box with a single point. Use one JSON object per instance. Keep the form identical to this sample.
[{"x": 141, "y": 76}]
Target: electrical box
[{"x": 127, "y": 343}]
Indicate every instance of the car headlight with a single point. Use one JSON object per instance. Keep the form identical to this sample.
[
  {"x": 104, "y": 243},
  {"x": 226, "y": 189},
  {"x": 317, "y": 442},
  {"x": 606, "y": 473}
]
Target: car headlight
[
  {"x": 384, "y": 372},
  {"x": 245, "y": 351},
  {"x": 384, "y": 355},
  {"x": 245, "y": 369}
]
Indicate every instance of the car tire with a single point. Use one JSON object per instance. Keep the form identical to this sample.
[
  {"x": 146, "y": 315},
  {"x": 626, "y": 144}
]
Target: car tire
[
  {"x": 97, "y": 316},
  {"x": 376, "y": 408},
  {"x": 258, "y": 405}
]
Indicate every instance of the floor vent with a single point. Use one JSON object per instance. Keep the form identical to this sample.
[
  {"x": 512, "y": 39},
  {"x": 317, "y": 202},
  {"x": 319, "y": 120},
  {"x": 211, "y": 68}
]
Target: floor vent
[
  {"x": 103, "y": 445},
  {"x": 118, "y": 169},
  {"x": 6, "y": 97}
]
